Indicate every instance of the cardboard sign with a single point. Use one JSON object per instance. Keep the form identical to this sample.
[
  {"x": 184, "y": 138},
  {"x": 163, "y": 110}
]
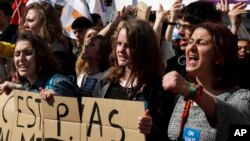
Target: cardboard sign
[
  {"x": 27, "y": 123},
  {"x": 107, "y": 119},
  {"x": 61, "y": 119},
  {"x": 25, "y": 116},
  {"x": 119, "y": 4},
  {"x": 143, "y": 11},
  {"x": 6, "y": 116}
]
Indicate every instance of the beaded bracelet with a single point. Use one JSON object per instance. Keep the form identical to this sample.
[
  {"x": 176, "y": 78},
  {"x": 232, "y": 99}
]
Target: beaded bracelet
[
  {"x": 194, "y": 93},
  {"x": 199, "y": 94}
]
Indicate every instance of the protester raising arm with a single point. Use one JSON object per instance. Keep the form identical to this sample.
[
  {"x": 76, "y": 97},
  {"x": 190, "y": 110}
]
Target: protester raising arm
[
  {"x": 160, "y": 16},
  {"x": 210, "y": 101},
  {"x": 176, "y": 7},
  {"x": 235, "y": 16}
]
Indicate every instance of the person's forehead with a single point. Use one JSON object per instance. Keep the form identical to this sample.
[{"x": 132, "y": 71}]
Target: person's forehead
[
  {"x": 243, "y": 42},
  {"x": 184, "y": 22},
  {"x": 32, "y": 12}
]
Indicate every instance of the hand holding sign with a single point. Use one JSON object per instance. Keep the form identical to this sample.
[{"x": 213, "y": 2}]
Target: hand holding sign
[
  {"x": 8, "y": 86},
  {"x": 47, "y": 93},
  {"x": 145, "y": 123}
]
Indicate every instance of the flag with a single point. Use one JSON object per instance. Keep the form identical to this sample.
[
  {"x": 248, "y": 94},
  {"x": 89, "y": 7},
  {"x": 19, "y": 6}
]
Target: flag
[
  {"x": 58, "y": 2},
  {"x": 17, "y": 7},
  {"x": 97, "y": 6},
  {"x": 72, "y": 10}
]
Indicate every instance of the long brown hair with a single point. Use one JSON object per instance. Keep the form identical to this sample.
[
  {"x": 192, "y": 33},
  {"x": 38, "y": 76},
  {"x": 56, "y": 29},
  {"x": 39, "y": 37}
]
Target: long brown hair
[
  {"x": 51, "y": 28},
  {"x": 144, "y": 51}
]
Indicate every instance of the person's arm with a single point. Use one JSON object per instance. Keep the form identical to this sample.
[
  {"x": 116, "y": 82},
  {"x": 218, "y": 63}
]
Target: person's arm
[
  {"x": 233, "y": 111},
  {"x": 175, "y": 82},
  {"x": 160, "y": 13},
  {"x": 6, "y": 49},
  {"x": 235, "y": 16},
  {"x": 176, "y": 7},
  {"x": 8, "y": 86},
  {"x": 105, "y": 30}
]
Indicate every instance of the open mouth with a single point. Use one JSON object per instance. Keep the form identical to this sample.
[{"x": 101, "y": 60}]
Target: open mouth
[{"x": 192, "y": 59}]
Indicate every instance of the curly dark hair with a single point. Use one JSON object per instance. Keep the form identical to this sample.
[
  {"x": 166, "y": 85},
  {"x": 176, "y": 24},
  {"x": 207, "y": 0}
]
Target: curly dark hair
[
  {"x": 46, "y": 64},
  {"x": 144, "y": 51}
]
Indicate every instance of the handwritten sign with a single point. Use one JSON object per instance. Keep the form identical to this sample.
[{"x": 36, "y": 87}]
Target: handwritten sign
[
  {"x": 25, "y": 116},
  {"x": 6, "y": 116},
  {"x": 106, "y": 119},
  {"x": 143, "y": 11},
  {"x": 27, "y": 123},
  {"x": 62, "y": 117}
]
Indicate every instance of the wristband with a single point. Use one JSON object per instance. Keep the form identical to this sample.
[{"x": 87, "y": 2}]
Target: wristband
[
  {"x": 191, "y": 91},
  {"x": 172, "y": 23},
  {"x": 194, "y": 93},
  {"x": 199, "y": 94}
]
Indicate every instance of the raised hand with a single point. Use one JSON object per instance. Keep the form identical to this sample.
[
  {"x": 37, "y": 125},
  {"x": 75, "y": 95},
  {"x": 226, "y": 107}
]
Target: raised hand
[
  {"x": 223, "y": 7},
  {"x": 235, "y": 15},
  {"x": 176, "y": 7}
]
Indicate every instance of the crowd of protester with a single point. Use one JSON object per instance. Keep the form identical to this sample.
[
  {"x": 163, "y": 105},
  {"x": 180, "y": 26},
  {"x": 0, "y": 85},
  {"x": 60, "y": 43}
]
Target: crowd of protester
[{"x": 193, "y": 74}]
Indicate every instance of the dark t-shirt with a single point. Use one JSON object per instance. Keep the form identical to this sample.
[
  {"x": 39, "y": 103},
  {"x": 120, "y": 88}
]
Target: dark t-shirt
[{"x": 119, "y": 92}]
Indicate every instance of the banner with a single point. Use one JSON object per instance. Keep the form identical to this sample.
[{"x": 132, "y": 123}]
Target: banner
[
  {"x": 97, "y": 6},
  {"x": 25, "y": 116},
  {"x": 72, "y": 10}
]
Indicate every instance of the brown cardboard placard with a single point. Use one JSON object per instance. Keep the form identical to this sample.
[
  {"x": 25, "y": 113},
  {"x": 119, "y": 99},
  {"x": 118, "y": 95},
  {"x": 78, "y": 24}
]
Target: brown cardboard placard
[
  {"x": 27, "y": 102},
  {"x": 143, "y": 11},
  {"x": 61, "y": 108},
  {"x": 62, "y": 130},
  {"x": 108, "y": 119},
  {"x": 27, "y": 123},
  {"x": 61, "y": 119},
  {"x": 27, "y": 127},
  {"x": 30, "y": 118},
  {"x": 6, "y": 116}
]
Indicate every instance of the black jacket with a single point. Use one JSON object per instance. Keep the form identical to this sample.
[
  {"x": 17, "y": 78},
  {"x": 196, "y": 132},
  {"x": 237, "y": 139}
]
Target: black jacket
[{"x": 160, "y": 105}]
